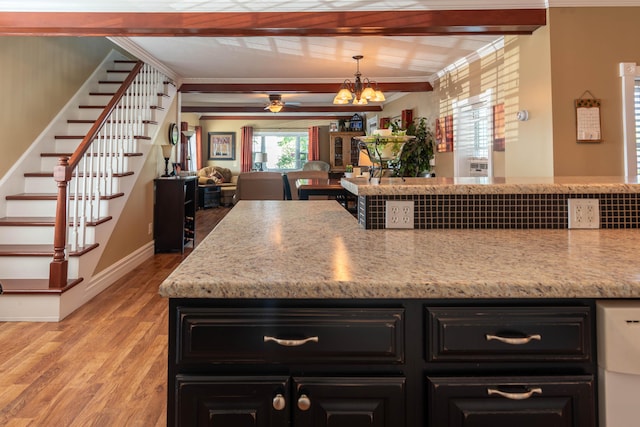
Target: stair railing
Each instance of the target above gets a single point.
(86, 178)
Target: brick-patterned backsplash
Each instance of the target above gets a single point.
(501, 211)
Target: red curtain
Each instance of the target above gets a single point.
(246, 149)
(314, 143)
(199, 162)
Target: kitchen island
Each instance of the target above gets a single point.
(292, 311)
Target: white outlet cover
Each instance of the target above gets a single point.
(399, 214)
(584, 213)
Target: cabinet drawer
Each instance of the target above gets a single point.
(509, 334)
(279, 335)
(512, 401)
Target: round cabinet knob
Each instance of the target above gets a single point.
(304, 403)
(279, 403)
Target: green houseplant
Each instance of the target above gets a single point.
(417, 153)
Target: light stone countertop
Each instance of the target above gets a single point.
(480, 185)
(315, 249)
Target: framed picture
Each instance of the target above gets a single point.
(333, 127)
(222, 145)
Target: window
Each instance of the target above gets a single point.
(285, 150)
(630, 74)
(473, 126)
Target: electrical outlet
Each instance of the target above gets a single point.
(584, 213)
(398, 214)
(150, 230)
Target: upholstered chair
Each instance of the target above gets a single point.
(259, 186)
(316, 165)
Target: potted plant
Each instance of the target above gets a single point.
(415, 159)
(348, 173)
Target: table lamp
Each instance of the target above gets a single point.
(166, 153)
(261, 158)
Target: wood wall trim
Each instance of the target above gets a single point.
(315, 109)
(242, 24)
(275, 117)
(295, 87)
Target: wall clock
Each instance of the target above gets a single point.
(174, 133)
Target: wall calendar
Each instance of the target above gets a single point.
(588, 122)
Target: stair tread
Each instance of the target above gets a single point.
(53, 196)
(50, 174)
(69, 154)
(26, 221)
(82, 137)
(34, 286)
(89, 121)
(40, 250)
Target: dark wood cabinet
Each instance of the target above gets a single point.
(382, 363)
(174, 213)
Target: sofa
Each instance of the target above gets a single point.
(222, 177)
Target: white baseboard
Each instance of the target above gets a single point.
(116, 271)
(54, 308)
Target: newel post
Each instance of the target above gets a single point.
(59, 265)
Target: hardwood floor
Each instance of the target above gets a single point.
(105, 364)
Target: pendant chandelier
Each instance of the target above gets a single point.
(360, 90)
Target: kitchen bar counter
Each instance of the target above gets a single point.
(302, 249)
(480, 185)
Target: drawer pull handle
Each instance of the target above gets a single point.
(290, 343)
(515, 396)
(304, 403)
(514, 341)
(279, 402)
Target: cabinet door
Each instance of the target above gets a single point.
(513, 401)
(231, 401)
(349, 402)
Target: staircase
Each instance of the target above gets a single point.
(63, 198)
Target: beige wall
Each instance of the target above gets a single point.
(587, 44)
(38, 76)
(527, 86)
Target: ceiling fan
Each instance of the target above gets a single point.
(275, 103)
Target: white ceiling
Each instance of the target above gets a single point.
(304, 60)
(291, 59)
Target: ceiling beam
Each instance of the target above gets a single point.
(295, 87)
(244, 24)
(274, 117)
(316, 109)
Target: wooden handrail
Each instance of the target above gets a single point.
(102, 119)
(62, 174)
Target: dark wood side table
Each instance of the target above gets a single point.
(208, 196)
(174, 213)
